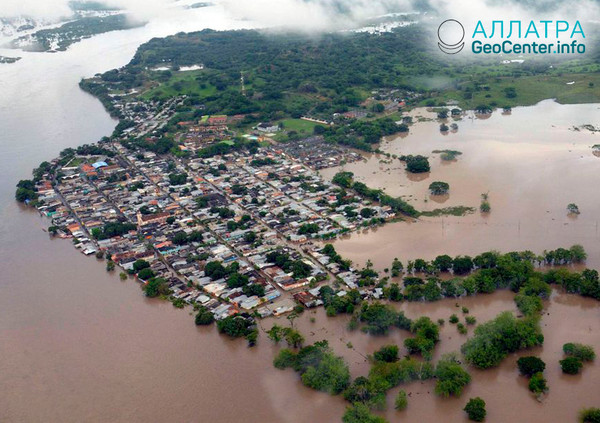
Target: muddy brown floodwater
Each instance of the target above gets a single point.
(567, 318)
(79, 345)
(531, 163)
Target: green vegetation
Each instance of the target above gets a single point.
(335, 305)
(362, 134)
(330, 252)
(298, 268)
(530, 365)
(345, 180)
(75, 31)
(401, 401)
(177, 178)
(585, 283)
(139, 265)
(26, 191)
(360, 413)
(370, 391)
(416, 164)
(365, 391)
(538, 384)
(387, 353)
(156, 287)
(589, 415)
(235, 326)
(146, 274)
(426, 336)
(204, 317)
(571, 365)
(385, 375)
(439, 188)
(378, 318)
(485, 206)
(292, 337)
(451, 377)
(449, 211)
(318, 367)
(447, 155)
(495, 339)
(583, 352)
(475, 409)
(573, 208)
(325, 77)
(112, 229)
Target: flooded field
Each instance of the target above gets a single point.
(531, 163)
(567, 318)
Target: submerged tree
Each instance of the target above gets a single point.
(573, 208)
(439, 188)
(475, 409)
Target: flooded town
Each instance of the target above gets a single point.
(210, 214)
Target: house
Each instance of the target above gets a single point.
(148, 219)
(267, 127)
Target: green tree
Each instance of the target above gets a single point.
(146, 274)
(493, 340)
(530, 365)
(360, 413)
(234, 326)
(571, 365)
(582, 352)
(140, 264)
(387, 353)
(204, 317)
(439, 188)
(573, 208)
(443, 263)
(293, 338)
(155, 287)
(578, 253)
(462, 265)
(416, 164)
(538, 384)
(589, 415)
(401, 401)
(475, 409)
(378, 318)
(451, 377)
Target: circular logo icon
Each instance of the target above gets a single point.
(451, 34)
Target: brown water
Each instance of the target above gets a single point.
(77, 344)
(531, 164)
(567, 318)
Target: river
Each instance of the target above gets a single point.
(78, 344)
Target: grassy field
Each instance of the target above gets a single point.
(180, 83)
(303, 127)
(566, 89)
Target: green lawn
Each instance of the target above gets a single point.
(181, 83)
(303, 127)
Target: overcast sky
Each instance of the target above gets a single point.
(334, 14)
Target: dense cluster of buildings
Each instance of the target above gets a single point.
(236, 232)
